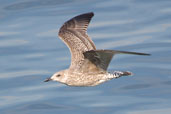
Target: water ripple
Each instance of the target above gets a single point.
(22, 73)
(11, 43)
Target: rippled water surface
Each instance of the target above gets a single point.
(31, 51)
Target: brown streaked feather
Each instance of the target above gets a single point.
(74, 35)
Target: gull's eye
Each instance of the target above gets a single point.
(58, 75)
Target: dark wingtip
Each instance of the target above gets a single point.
(134, 53)
(146, 54)
(86, 15)
(91, 13)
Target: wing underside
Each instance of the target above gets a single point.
(74, 35)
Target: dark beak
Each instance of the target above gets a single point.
(48, 79)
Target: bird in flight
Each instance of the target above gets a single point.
(88, 65)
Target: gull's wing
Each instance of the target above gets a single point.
(74, 35)
(102, 58)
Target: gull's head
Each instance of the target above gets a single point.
(60, 76)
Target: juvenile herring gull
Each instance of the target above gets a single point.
(88, 65)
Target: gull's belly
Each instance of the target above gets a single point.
(86, 80)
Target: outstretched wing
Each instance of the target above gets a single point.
(102, 58)
(74, 35)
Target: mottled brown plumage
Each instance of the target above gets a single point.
(88, 65)
(74, 35)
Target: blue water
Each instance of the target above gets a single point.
(30, 51)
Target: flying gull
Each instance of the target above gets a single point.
(88, 65)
